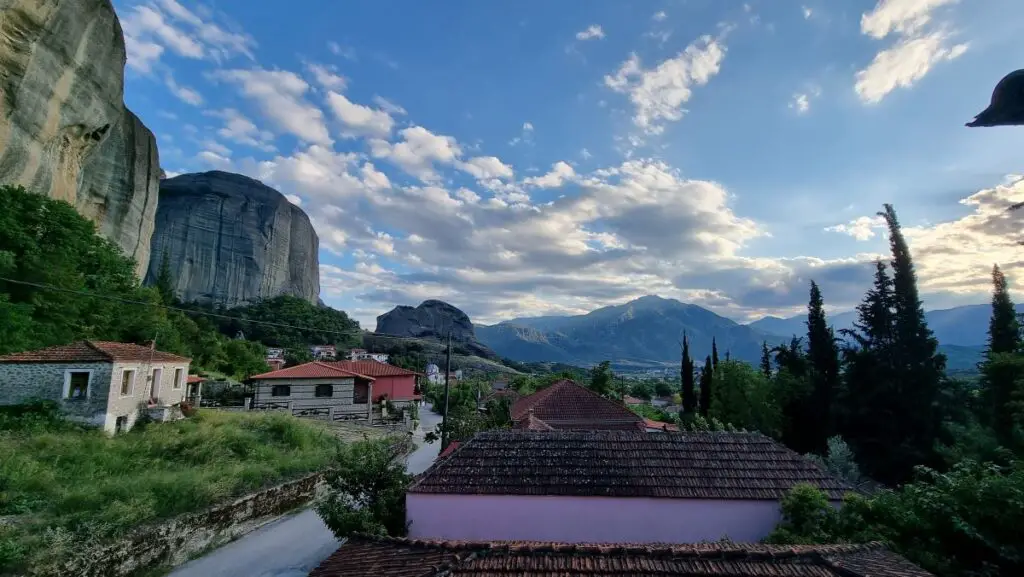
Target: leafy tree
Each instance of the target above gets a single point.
(642, 390)
(744, 398)
(839, 460)
(1003, 327)
(366, 490)
(1002, 371)
(244, 358)
(293, 357)
(664, 388)
(707, 376)
(602, 379)
(823, 355)
(766, 360)
(689, 393)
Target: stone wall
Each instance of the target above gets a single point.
(25, 381)
(177, 540)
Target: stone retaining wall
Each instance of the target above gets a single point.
(175, 541)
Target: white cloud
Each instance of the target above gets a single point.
(801, 101)
(560, 173)
(360, 120)
(345, 52)
(919, 44)
(486, 167)
(280, 96)
(388, 106)
(327, 76)
(659, 16)
(659, 93)
(183, 93)
(238, 128)
(862, 228)
(585, 154)
(527, 127)
(214, 160)
(807, 12)
(903, 65)
(154, 26)
(418, 152)
(592, 31)
(216, 147)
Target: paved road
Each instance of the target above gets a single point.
(294, 545)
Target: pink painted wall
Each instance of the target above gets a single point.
(587, 519)
(397, 388)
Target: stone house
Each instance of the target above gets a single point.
(317, 389)
(106, 384)
(610, 487)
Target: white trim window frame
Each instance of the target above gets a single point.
(131, 386)
(67, 383)
(179, 378)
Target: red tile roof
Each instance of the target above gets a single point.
(366, 556)
(532, 423)
(567, 405)
(719, 465)
(193, 379)
(93, 352)
(313, 370)
(659, 425)
(373, 368)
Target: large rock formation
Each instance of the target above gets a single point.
(64, 129)
(232, 240)
(432, 319)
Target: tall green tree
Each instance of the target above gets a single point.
(793, 394)
(1003, 327)
(689, 393)
(1002, 371)
(766, 360)
(743, 397)
(165, 280)
(602, 379)
(823, 354)
(707, 377)
(714, 354)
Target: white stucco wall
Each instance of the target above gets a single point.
(588, 519)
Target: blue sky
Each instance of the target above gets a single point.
(515, 160)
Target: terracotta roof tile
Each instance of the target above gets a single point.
(567, 405)
(313, 370)
(650, 424)
(95, 352)
(532, 423)
(365, 556)
(717, 465)
(449, 449)
(373, 368)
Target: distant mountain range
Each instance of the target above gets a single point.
(645, 333)
(642, 333)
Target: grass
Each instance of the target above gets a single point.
(61, 484)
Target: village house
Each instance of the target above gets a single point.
(371, 556)
(105, 384)
(567, 405)
(610, 487)
(316, 389)
(398, 385)
(364, 355)
(323, 352)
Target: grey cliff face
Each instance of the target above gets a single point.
(433, 319)
(64, 129)
(232, 240)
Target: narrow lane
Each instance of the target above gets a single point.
(292, 546)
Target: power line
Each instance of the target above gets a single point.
(194, 311)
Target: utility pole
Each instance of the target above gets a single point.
(447, 374)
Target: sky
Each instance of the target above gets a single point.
(528, 158)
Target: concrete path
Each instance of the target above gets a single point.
(294, 545)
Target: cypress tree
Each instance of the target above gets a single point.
(1002, 367)
(689, 394)
(1003, 327)
(823, 354)
(706, 383)
(714, 354)
(766, 360)
(164, 280)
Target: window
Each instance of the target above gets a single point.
(127, 382)
(158, 375)
(325, 390)
(361, 394)
(76, 384)
(281, 391)
(179, 376)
